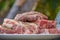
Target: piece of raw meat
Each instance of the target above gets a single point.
(6, 31)
(29, 28)
(46, 24)
(49, 31)
(30, 16)
(41, 31)
(54, 31)
(20, 27)
(1, 32)
(13, 25)
(40, 27)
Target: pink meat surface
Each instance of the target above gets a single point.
(46, 24)
(29, 23)
(13, 25)
(6, 31)
(30, 16)
(54, 31)
(18, 27)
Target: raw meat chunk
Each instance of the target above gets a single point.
(54, 31)
(30, 16)
(12, 24)
(46, 24)
(6, 31)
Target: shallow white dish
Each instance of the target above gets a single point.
(28, 36)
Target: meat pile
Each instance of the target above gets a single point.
(29, 23)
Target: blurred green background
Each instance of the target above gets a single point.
(47, 7)
(5, 5)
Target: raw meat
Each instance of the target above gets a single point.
(29, 23)
(12, 24)
(30, 16)
(29, 28)
(20, 27)
(6, 31)
(54, 31)
(39, 27)
(46, 24)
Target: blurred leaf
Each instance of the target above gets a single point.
(11, 2)
(48, 7)
(5, 5)
(2, 4)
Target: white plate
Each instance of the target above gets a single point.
(28, 36)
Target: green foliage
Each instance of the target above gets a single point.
(48, 7)
(2, 4)
(5, 5)
(12, 2)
